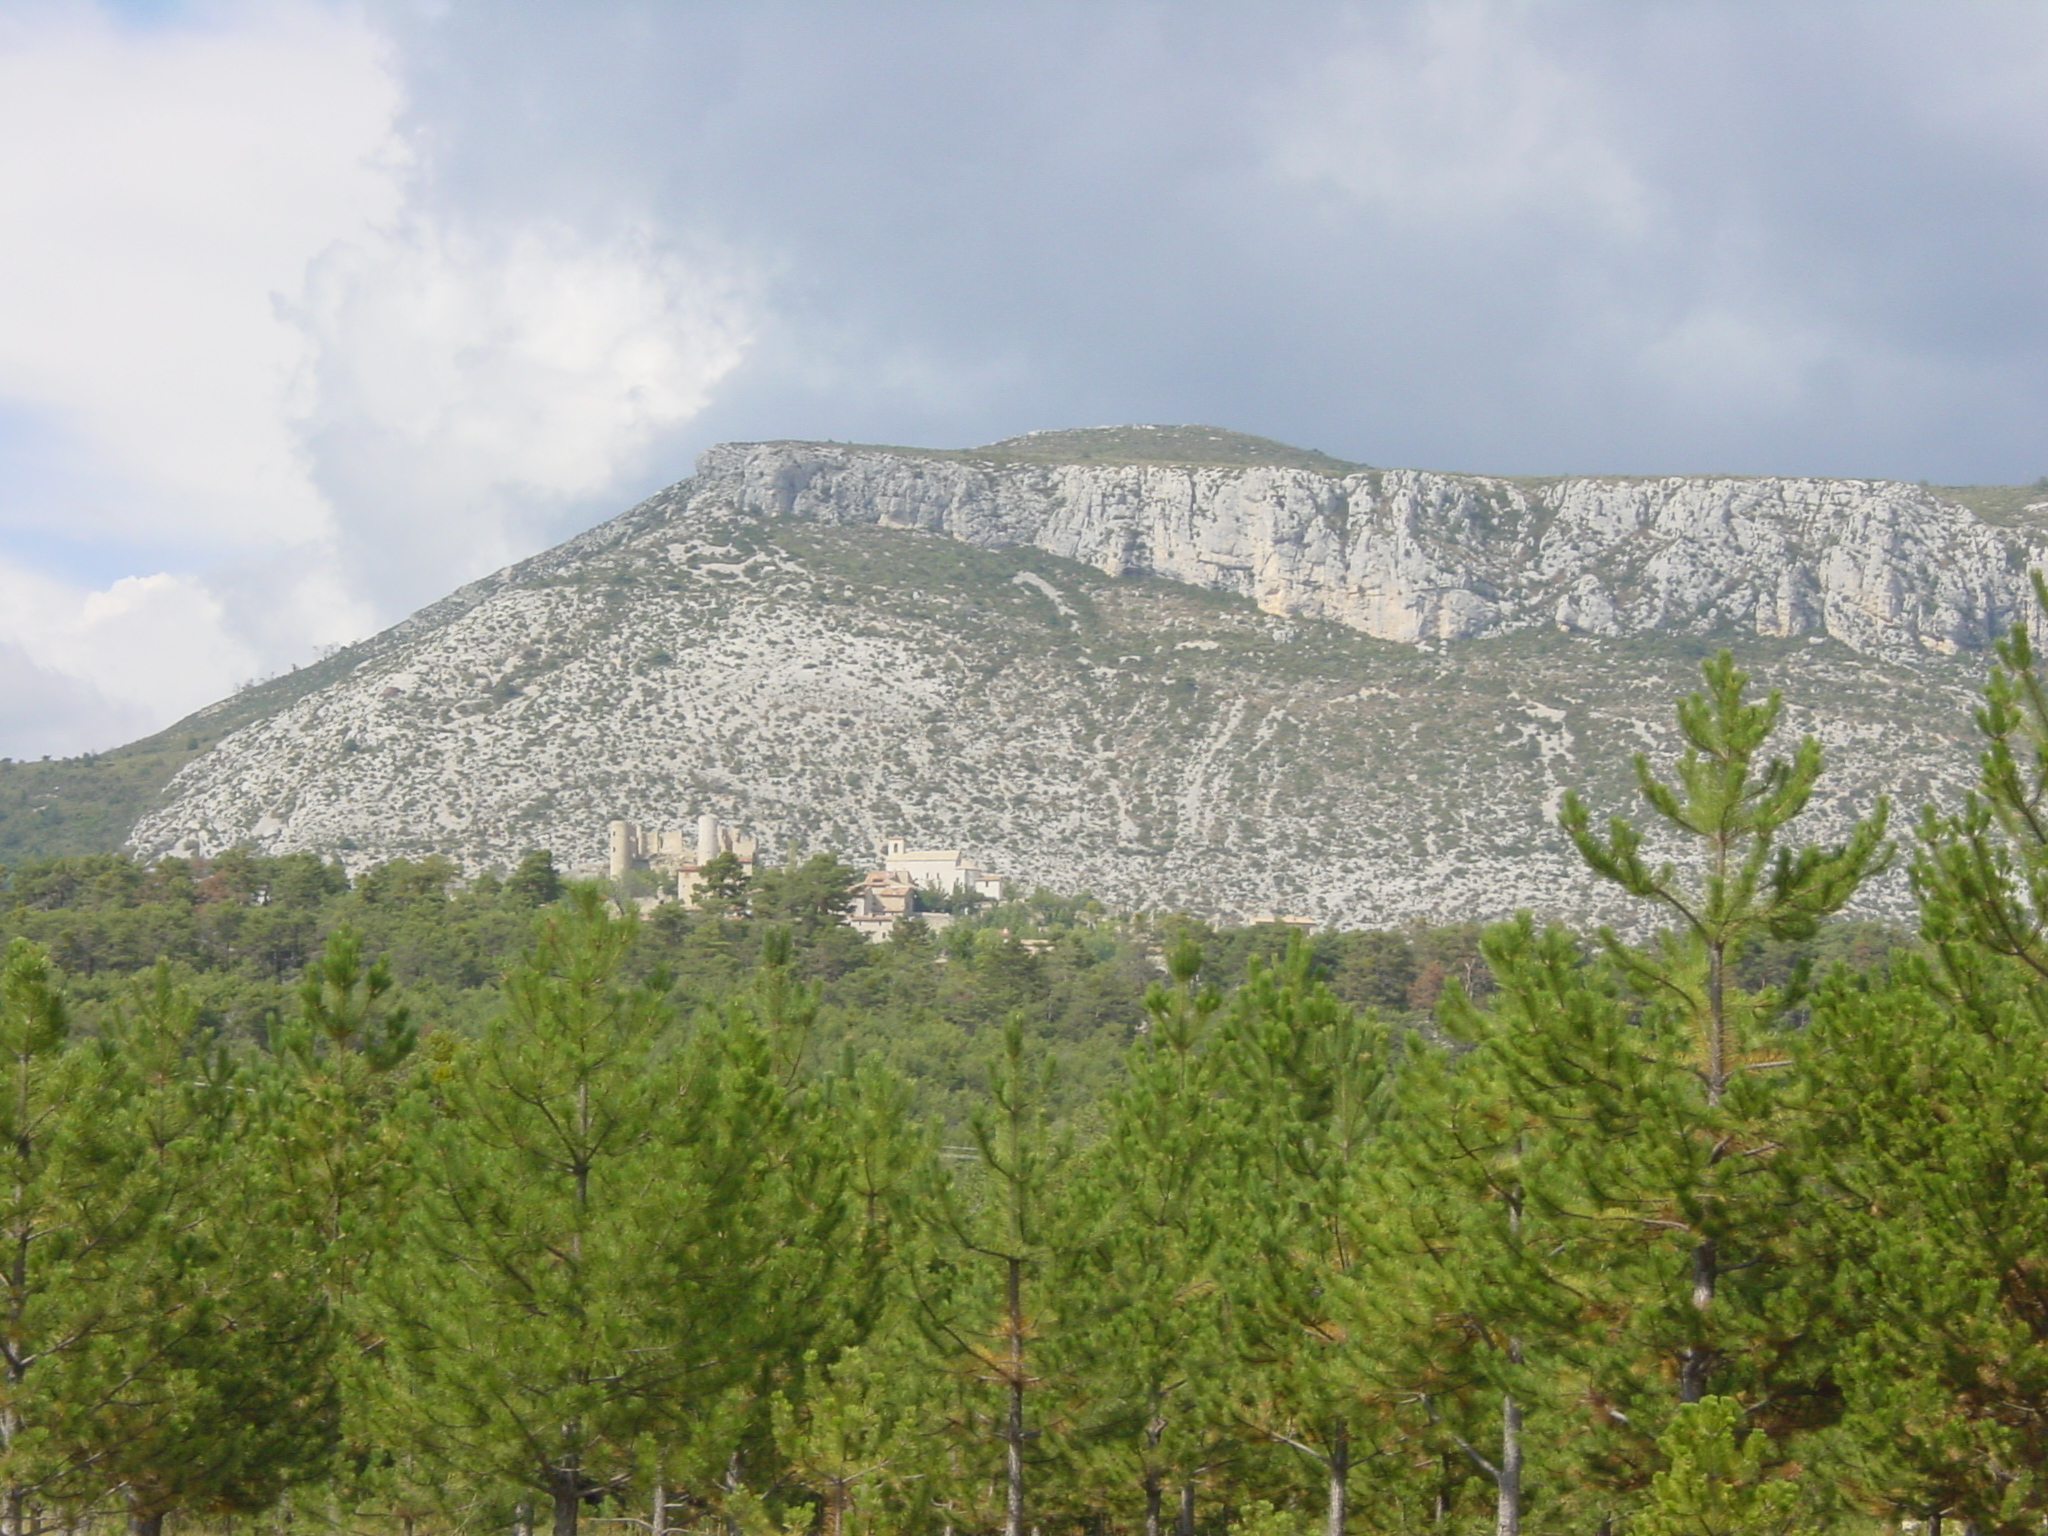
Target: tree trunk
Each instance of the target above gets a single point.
(1013, 1421)
(835, 1507)
(1186, 1524)
(1013, 1462)
(1717, 1024)
(657, 1521)
(1339, 1466)
(1697, 1359)
(145, 1522)
(522, 1519)
(1154, 1485)
(1934, 1522)
(1692, 1374)
(1507, 1516)
(732, 1486)
(567, 1489)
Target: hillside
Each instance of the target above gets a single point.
(1243, 679)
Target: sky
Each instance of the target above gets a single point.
(311, 311)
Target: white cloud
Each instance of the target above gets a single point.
(245, 325)
(163, 186)
(1736, 358)
(465, 386)
(50, 714)
(1452, 114)
(139, 652)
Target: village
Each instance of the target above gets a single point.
(884, 897)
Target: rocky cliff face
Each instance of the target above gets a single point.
(1888, 569)
(1351, 694)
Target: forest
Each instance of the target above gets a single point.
(402, 1206)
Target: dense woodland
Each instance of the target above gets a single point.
(396, 1207)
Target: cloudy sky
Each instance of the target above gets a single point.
(310, 311)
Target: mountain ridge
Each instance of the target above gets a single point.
(1156, 680)
(1422, 555)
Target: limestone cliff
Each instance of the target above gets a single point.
(1410, 555)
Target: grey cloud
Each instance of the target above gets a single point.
(47, 713)
(982, 219)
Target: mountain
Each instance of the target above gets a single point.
(1175, 666)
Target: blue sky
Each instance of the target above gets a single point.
(310, 311)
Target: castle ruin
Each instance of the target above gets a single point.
(674, 852)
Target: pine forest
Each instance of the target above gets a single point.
(405, 1206)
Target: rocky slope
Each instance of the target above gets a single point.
(1888, 569)
(1268, 681)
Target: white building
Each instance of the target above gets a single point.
(939, 869)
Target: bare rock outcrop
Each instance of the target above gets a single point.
(1413, 555)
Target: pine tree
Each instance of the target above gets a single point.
(214, 1393)
(1467, 1289)
(1308, 1089)
(1924, 1162)
(620, 1236)
(1701, 1132)
(71, 1219)
(723, 885)
(1982, 873)
(329, 1106)
(1714, 1482)
(162, 1334)
(1000, 1231)
(1925, 1151)
(819, 1171)
(850, 1423)
(530, 1338)
(1145, 1338)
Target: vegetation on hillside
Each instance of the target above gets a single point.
(2007, 506)
(1169, 445)
(87, 804)
(1156, 743)
(237, 933)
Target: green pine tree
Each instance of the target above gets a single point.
(620, 1235)
(1705, 1129)
(1714, 1482)
(1000, 1230)
(1308, 1088)
(1478, 1315)
(1144, 1342)
(1925, 1152)
(215, 1392)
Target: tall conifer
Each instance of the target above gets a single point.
(1307, 1091)
(1001, 1229)
(1146, 1335)
(614, 1234)
(1926, 1151)
(1744, 882)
